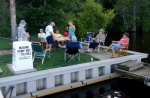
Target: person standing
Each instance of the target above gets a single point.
(49, 35)
(22, 35)
(71, 29)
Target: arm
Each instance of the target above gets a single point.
(80, 46)
(115, 41)
(61, 46)
(74, 28)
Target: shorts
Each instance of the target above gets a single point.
(115, 46)
(50, 40)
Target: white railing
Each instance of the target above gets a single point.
(64, 78)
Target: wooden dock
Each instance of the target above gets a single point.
(141, 73)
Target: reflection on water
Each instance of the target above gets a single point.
(116, 88)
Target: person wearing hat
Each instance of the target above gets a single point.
(22, 35)
(99, 39)
(49, 35)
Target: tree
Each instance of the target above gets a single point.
(135, 13)
(13, 19)
(93, 17)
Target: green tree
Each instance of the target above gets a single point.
(93, 17)
(135, 13)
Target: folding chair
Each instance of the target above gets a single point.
(122, 50)
(72, 51)
(88, 38)
(101, 45)
(38, 51)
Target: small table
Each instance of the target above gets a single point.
(63, 39)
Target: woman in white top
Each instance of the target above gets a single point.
(42, 36)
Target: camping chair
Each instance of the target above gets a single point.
(122, 50)
(72, 51)
(88, 38)
(38, 51)
(101, 45)
(43, 44)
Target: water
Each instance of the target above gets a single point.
(120, 87)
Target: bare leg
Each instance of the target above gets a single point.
(113, 52)
(91, 50)
(50, 46)
(108, 47)
(47, 46)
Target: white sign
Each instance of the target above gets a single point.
(22, 56)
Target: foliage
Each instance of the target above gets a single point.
(92, 18)
(5, 19)
(128, 8)
(86, 16)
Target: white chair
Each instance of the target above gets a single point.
(88, 38)
(101, 46)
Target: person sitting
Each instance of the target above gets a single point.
(57, 36)
(99, 39)
(66, 33)
(42, 36)
(119, 44)
(73, 40)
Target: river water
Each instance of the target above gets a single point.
(117, 88)
(120, 87)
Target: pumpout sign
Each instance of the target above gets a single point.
(22, 56)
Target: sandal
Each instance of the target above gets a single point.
(112, 57)
(87, 52)
(104, 51)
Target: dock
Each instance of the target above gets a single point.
(46, 82)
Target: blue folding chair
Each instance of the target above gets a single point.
(38, 52)
(88, 38)
(72, 51)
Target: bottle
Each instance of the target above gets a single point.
(91, 59)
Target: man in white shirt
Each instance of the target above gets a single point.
(49, 35)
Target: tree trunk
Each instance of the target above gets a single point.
(45, 2)
(13, 19)
(134, 17)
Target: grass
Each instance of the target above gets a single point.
(5, 44)
(56, 60)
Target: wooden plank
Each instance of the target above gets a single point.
(130, 65)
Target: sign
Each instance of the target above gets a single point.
(22, 56)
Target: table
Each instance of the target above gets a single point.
(63, 39)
